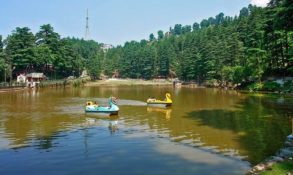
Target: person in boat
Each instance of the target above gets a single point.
(96, 103)
(151, 98)
(115, 100)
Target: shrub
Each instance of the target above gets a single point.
(288, 86)
(255, 87)
(76, 83)
(271, 86)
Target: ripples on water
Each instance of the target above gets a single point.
(205, 131)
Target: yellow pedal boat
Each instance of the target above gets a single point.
(164, 103)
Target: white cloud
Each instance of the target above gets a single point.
(262, 3)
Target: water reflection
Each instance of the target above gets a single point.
(93, 119)
(166, 111)
(254, 124)
(223, 122)
(20, 130)
(113, 126)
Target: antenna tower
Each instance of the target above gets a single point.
(87, 29)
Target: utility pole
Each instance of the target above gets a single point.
(87, 29)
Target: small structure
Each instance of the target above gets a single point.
(21, 78)
(115, 74)
(34, 79)
(106, 47)
(84, 74)
(167, 34)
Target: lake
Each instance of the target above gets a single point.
(206, 131)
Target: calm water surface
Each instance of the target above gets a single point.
(206, 131)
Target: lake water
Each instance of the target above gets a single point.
(206, 131)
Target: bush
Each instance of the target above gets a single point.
(271, 86)
(255, 87)
(288, 86)
(212, 83)
(76, 83)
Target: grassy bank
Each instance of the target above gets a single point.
(285, 167)
(128, 82)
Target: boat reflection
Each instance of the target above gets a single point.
(102, 120)
(113, 126)
(166, 111)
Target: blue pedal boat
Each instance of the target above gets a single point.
(111, 109)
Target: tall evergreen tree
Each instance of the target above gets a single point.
(160, 34)
(20, 49)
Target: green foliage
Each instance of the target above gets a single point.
(160, 34)
(271, 86)
(2, 60)
(255, 87)
(177, 29)
(238, 74)
(288, 86)
(244, 12)
(77, 83)
(1, 44)
(227, 73)
(152, 37)
(20, 48)
(46, 52)
(280, 168)
(186, 29)
(204, 23)
(195, 26)
(93, 66)
(242, 49)
(222, 48)
(163, 59)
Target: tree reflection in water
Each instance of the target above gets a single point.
(261, 129)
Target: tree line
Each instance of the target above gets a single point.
(246, 48)
(25, 52)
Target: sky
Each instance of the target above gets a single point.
(112, 21)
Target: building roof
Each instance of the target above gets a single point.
(36, 75)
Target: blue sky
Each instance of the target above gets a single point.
(111, 21)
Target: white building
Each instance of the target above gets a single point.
(21, 78)
(106, 47)
(34, 79)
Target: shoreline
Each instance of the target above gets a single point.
(166, 82)
(11, 89)
(128, 82)
(284, 155)
(134, 82)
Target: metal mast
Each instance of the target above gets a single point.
(87, 29)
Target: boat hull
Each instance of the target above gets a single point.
(102, 112)
(159, 104)
(112, 110)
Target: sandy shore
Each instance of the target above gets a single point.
(129, 82)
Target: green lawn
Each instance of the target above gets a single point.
(280, 168)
